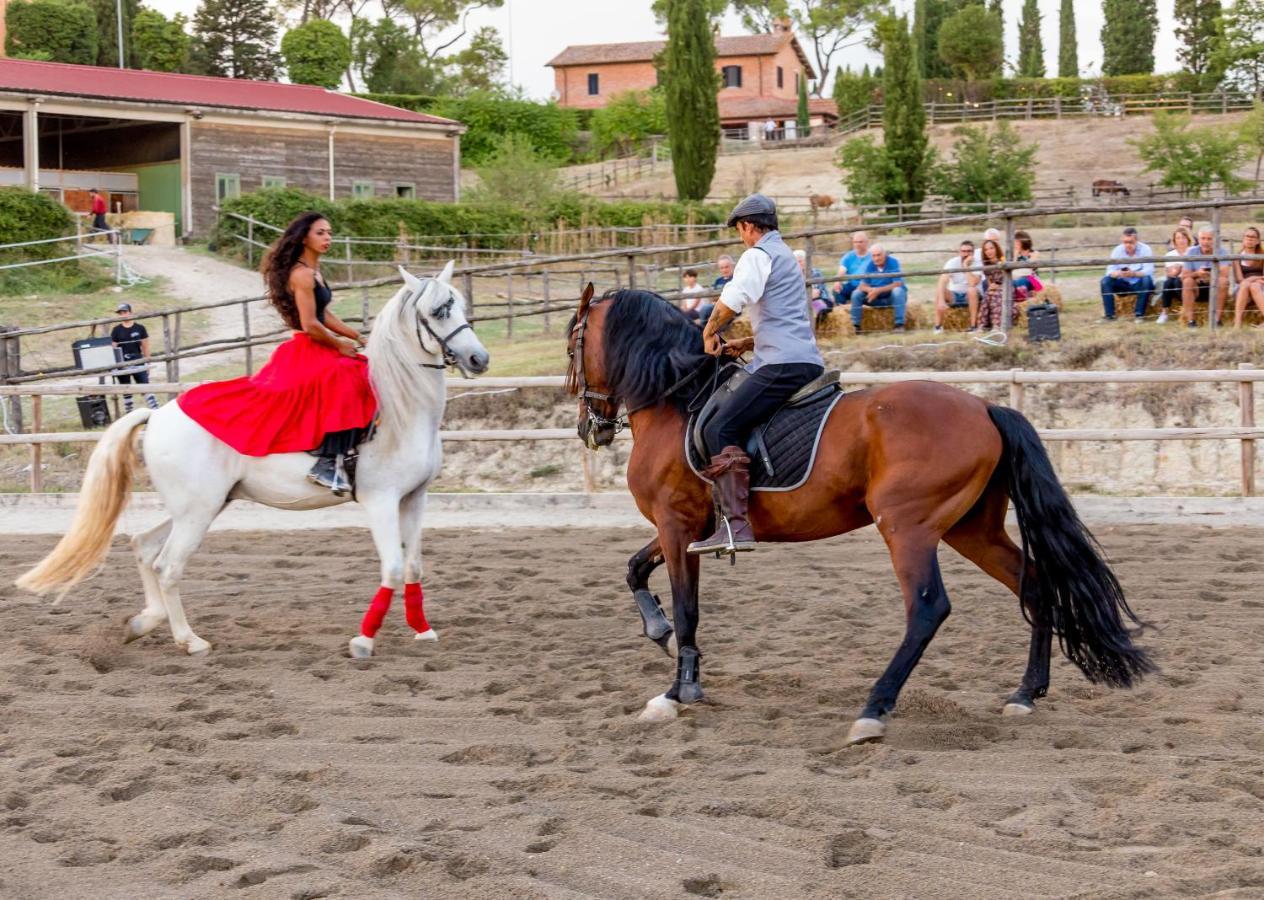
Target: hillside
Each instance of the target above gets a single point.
(1072, 152)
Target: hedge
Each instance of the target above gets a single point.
(495, 225)
(947, 90)
(28, 216)
(550, 128)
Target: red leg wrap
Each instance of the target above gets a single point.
(377, 611)
(413, 608)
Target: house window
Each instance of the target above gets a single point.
(781, 77)
(274, 181)
(732, 76)
(405, 192)
(594, 84)
(227, 186)
(362, 190)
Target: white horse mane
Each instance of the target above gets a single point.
(401, 384)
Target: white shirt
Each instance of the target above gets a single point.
(958, 280)
(1173, 269)
(750, 276)
(1142, 269)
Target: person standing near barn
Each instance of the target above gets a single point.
(99, 209)
(132, 341)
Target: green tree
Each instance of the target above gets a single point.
(903, 116)
(1128, 33)
(970, 44)
(1196, 22)
(928, 16)
(516, 174)
(1253, 135)
(107, 31)
(316, 52)
(853, 92)
(827, 27)
(235, 38)
(987, 164)
(158, 43)
(388, 61)
(51, 30)
(1193, 159)
(481, 65)
(1068, 48)
(869, 175)
(626, 123)
(802, 119)
(715, 9)
(1238, 52)
(1031, 48)
(689, 88)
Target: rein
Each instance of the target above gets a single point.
(450, 359)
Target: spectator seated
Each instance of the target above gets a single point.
(958, 317)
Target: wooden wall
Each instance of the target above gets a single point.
(302, 158)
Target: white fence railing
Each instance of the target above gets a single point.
(1017, 380)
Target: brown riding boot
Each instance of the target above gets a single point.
(730, 470)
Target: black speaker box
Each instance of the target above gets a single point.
(1042, 322)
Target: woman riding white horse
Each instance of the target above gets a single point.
(421, 330)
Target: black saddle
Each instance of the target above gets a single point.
(783, 449)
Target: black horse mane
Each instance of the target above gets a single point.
(650, 348)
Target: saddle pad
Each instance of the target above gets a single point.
(791, 439)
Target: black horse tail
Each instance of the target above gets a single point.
(1075, 589)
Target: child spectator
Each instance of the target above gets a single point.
(1179, 242)
(132, 341)
(690, 293)
(1249, 274)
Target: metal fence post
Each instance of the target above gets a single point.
(1246, 418)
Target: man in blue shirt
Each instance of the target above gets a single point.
(723, 265)
(1196, 277)
(1127, 277)
(850, 264)
(883, 285)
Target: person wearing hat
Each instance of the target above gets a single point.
(132, 341)
(768, 284)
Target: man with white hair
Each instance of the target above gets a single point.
(850, 264)
(882, 285)
(1196, 277)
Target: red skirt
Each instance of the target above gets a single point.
(306, 390)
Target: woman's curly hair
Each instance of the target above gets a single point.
(280, 260)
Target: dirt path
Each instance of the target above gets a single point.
(196, 278)
(506, 761)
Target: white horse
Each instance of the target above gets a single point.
(420, 331)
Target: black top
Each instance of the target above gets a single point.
(324, 296)
(128, 338)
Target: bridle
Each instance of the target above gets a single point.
(585, 393)
(450, 358)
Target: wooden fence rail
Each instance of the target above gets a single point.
(1245, 376)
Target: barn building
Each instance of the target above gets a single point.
(180, 144)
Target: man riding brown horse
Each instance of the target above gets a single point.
(768, 285)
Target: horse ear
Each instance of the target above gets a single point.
(584, 300)
(445, 277)
(411, 281)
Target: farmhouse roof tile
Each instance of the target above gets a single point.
(644, 51)
(99, 82)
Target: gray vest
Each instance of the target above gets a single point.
(779, 321)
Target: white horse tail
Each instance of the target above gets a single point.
(105, 491)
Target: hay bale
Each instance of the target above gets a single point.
(882, 318)
(1050, 294)
(957, 318)
(835, 323)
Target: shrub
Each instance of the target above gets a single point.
(316, 52)
(1193, 159)
(516, 173)
(625, 123)
(54, 31)
(987, 164)
(870, 176)
(27, 216)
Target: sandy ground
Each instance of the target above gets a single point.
(505, 760)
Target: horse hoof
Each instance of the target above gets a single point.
(865, 730)
(660, 709)
(1017, 709)
(428, 635)
(198, 647)
(361, 647)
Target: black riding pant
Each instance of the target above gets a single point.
(754, 402)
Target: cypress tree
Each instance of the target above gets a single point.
(802, 120)
(1068, 52)
(1031, 49)
(690, 90)
(920, 40)
(903, 116)
(1196, 22)
(1128, 37)
(994, 7)
(107, 31)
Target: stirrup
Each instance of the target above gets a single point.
(329, 473)
(732, 547)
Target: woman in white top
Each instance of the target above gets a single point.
(1171, 291)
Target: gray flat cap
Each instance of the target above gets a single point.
(754, 205)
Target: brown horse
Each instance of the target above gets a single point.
(873, 466)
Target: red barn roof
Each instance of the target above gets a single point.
(100, 82)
